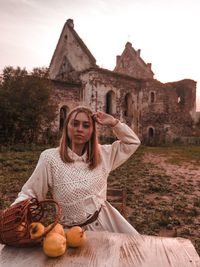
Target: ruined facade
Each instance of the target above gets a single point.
(157, 112)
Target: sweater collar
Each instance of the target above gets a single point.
(76, 157)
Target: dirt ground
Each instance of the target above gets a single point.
(188, 170)
(189, 173)
(163, 194)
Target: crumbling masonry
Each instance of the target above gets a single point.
(157, 112)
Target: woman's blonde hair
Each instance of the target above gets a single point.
(92, 146)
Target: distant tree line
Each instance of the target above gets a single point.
(26, 106)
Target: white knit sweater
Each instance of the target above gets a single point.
(79, 190)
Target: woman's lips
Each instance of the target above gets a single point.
(79, 136)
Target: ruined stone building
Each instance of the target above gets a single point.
(158, 112)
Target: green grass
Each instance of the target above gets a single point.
(15, 168)
(155, 199)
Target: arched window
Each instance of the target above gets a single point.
(128, 110)
(110, 103)
(151, 132)
(152, 97)
(63, 114)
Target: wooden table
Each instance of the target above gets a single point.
(105, 249)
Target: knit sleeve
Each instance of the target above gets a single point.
(39, 182)
(119, 151)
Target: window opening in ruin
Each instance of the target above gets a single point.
(63, 115)
(152, 97)
(151, 132)
(110, 102)
(181, 101)
(128, 109)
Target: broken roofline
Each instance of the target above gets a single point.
(114, 73)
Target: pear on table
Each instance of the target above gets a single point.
(76, 237)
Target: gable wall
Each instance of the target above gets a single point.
(68, 47)
(130, 63)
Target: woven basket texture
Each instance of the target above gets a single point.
(16, 219)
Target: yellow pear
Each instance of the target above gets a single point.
(76, 236)
(21, 230)
(58, 228)
(54, 245)
(36, 229)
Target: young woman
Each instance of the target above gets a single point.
(76, 172)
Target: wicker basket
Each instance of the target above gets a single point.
(15, 221)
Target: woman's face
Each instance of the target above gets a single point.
(79, 128)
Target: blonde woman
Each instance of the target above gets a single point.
(76, 172)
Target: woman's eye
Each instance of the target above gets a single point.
(75, 123)
(86, 126)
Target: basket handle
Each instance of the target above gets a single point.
(59, 211)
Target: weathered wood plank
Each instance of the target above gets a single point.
(105, 249)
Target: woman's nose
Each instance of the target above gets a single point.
(80, 127)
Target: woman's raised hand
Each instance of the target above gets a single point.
(104, 118)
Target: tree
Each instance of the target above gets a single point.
(26, 106)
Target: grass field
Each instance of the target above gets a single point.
(162, 183)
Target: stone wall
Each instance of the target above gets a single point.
(65, 95)
(159, 112)
(99, 82)
(170, 114)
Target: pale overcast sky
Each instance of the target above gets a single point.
(166, 31)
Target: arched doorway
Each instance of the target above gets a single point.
(151, 135)
(128, 109)
(63, 114)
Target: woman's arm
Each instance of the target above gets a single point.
(39, 182)
(120, 150)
